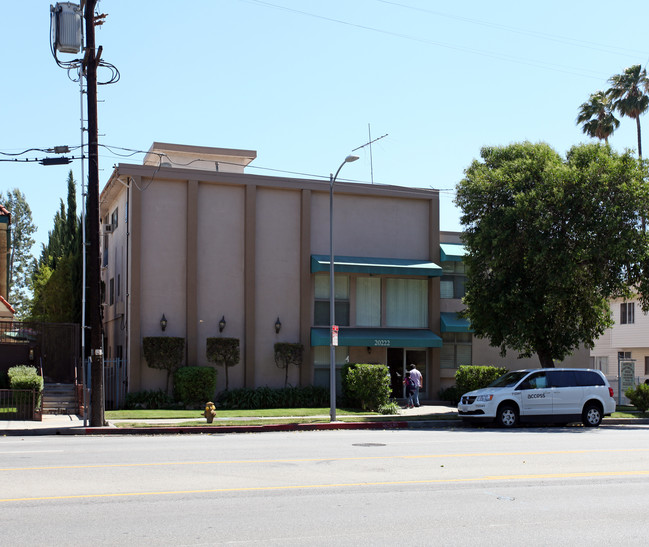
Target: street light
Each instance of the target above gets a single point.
(332, 302)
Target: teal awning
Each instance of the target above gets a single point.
(451, 322)
(361, 264)
(397, 338)
(452, 252)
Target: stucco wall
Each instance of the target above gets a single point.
(277, 280)
(220, 263)
(163, 254)
(371, 226)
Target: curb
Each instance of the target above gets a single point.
(222, 430)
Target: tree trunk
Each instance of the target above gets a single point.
(637, 123)
(545, 358)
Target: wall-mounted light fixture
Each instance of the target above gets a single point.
(369, 349)
(163, 322)
(278, 325)
(222, 324)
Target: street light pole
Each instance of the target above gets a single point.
(332, 299)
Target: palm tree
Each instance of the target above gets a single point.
(629, 94)
(597, 117)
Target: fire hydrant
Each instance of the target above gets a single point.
(210, 412)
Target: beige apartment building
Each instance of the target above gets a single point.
(189, 235)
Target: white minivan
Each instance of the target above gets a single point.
(557, 395)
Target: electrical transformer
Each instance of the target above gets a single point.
(67, 27)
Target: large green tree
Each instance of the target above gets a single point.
(57, 278)
(549, 241)
(629, 93)
(596, 116)
(21, 260)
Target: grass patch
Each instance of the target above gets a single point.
(194, 418)
(158, 414)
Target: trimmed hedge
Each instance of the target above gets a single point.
(266, 397)
(471, 377)
(25, 377)
(194, 386)
(366, 386)
(164, 353)
(223, 351)
(151, 399)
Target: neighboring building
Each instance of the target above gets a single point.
(7, 311)
(191, 236)
(626, 340)
(460, 346)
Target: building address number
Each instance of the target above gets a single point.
(382, 343)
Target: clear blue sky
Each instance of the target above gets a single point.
(300, 81)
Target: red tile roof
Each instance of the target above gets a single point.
(9, 306)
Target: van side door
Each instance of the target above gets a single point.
(567, 394)
(536, 395)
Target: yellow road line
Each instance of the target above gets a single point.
(306, 460)
(340, 485)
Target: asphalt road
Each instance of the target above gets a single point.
(457, 486)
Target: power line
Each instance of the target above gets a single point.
(575, 71)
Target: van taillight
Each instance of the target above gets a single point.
(610, 392)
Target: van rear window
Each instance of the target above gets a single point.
(589, 378)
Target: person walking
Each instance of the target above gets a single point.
(409, 382)
(418, 380)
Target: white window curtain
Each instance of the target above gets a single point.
(368, 302)
(407, 303)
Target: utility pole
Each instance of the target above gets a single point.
(90, 62)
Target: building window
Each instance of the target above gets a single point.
(114, 218)
(627, 313)
(453, 280)
(456, 349)
(406, 303)
(646, 366)
(119, 284)
(111, 291)
(599, 363)
(368, 302)
(322, 365)
(341, 296)
(621, 355)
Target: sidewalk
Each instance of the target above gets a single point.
(68, 424)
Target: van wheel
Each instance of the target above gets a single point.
(592, 415)
(507, 416)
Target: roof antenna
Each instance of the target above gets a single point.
(369, 132)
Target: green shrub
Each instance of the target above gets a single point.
(366, 386)
(391, 407)
(153, 399)
(164, 352)
(25, 377)
(451, 394)
(471, 377)
(639, 396)
(266, 397)
(194, 386)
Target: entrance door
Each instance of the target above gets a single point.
(397, 368)
(398, 361)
